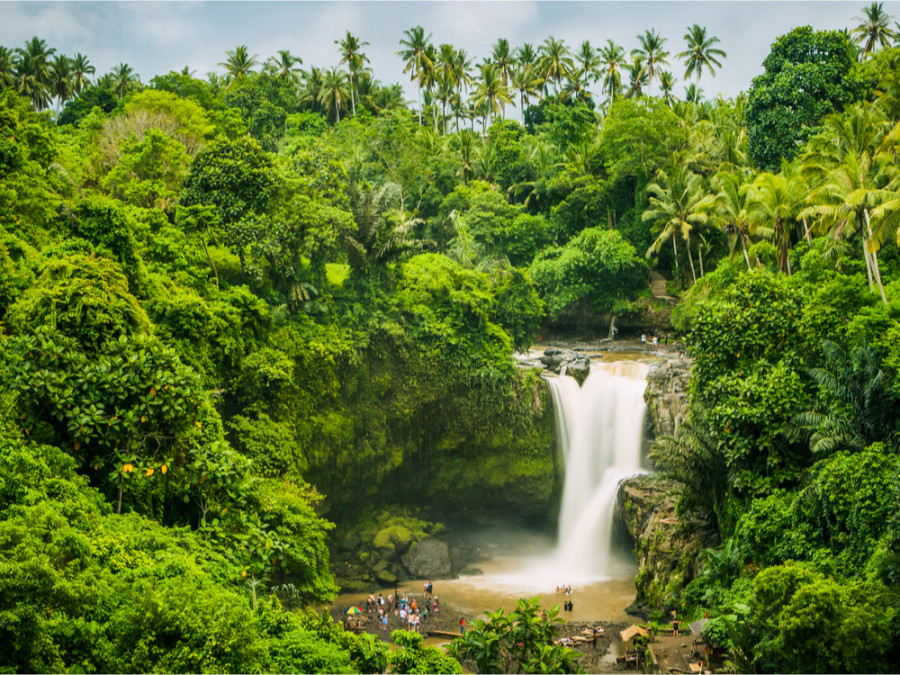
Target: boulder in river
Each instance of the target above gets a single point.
(428, 558)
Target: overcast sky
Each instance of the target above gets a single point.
(156, 37)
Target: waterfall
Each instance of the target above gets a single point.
(600, 428)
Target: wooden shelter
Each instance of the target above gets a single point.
(630, 632)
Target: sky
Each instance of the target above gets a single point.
(156, 37)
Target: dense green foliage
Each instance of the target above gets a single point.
(521, 642)
(233, 307)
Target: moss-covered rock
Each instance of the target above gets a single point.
(666, 542)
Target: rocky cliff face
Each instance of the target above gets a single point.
(666, 395)
(666, 542)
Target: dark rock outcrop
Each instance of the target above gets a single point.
(666, 395)
(667, 543)
(428, 558)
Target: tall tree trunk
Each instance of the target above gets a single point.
(687, 243)
(677, 267)
(744, 249)
(875, 267)
(209, 257)
(352, 99)
(700, 255)
(419, 101)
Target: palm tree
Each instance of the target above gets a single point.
(383, 232)
(526, 56)
(731, 208)
(526, 81)
(334, 92)
(555, 62)
(859, 410)
(414, 54)
(775, 203)
(313, 83)
(638, 77)
(352, 55)
(7, 64)
(81, 68)
(693, 93)
(675, 205)
(31, 78)
(124, 79)
(502, 58)
(285, 65)
(588, 60)
(428, 78)
(61, 79)
(845, 157)
(873, 29)
(613, 58)
(700, 53)
(239, 64)
(491, 92)
(666, 84)
(651, 52)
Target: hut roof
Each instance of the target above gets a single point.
(631, 631)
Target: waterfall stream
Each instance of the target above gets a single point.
(600, 430)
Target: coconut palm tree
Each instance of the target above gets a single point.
(124, 79)
(666, 84)
(335, 92)
(313, 83)
(873, 29)
(588, 60)
(526, 55)
(352, 55)
(239, 64)
(637, 78)
(490, 92)
(693, 93)
(527, 82)
(81, 68)
(700, 53)
(7, 76)
(652, 53)
(31, 78)
(730, 208)
(613, 58)
(285, 65)
(555, 63)
(776, 200)
(675, 208)
(844, 156)
(414, 53)
(61, 79)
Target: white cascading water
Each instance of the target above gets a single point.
(600, 429)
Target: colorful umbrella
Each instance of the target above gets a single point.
(354, 610)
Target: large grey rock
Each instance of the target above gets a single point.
(666, 395)
(428, 558)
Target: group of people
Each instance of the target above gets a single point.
(654, 339)
(408, 610)
(567, 604)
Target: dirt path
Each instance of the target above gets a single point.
(658, 287)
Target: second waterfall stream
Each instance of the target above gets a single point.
(600, 431)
